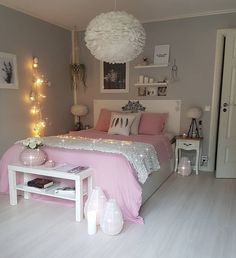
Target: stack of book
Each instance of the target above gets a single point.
(41, 183)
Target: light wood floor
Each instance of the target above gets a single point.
(188, 217)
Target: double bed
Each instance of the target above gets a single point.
(120, 175)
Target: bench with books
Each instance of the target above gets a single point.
(46, 183)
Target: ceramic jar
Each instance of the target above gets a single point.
(33, 157)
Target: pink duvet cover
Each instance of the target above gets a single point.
(112, 172)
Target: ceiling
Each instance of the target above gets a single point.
(77, 13)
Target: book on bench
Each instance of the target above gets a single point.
(40, 183)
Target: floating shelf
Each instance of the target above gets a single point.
(152, 84)
(150, 66)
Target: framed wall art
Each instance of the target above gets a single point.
(8, 71)
(161, 55)
(114, 78)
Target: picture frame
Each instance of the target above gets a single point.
(8, 71)
(142, 91)
(151, 91)
(161, 55)
(162, 91)
(114, 77)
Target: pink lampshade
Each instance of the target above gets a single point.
(194, 112)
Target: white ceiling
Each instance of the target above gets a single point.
(71, 13)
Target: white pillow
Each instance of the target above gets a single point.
(120, 124)
(135, 124)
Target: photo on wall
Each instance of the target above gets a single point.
(8, 71)
(114, 78)
(142, 91)
(151, 91)
(162, 91)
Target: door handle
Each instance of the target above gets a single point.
(225, 104)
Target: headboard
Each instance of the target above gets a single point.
(173, 107)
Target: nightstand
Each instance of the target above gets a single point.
(187, 143)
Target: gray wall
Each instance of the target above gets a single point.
(192, 43)
(26, 37)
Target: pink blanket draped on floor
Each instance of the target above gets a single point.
(112, 172)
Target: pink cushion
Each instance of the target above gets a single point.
(152, 123)
(103, 122)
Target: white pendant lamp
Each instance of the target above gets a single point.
(115, 37)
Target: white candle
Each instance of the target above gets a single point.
(92, 227)
(146, 79)
(140, 79)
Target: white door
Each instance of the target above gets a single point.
(226, 150)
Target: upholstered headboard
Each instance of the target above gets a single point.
(173, 107)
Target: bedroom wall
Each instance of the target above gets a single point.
(192, 43)
(25, 37)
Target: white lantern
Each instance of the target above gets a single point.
(184, 168)
(112, 220)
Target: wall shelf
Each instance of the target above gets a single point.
(150, 66)
(152, 84)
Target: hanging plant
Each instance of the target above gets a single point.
(79, 71)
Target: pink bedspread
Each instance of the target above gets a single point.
(112, 172)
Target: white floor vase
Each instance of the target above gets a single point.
(112, 220)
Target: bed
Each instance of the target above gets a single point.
(113, 172)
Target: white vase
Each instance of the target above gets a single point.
(96, 202)
(33, 157)
(112, 220)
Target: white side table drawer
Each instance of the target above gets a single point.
(187, 145)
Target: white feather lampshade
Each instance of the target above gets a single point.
(115, 37)
(79, 110)
(194, 112)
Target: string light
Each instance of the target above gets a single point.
(36, 97)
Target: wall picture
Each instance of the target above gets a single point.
(8, 71)
(141, 91)
(162, 91)
(151, 91)
(161, 55)
(114, 78)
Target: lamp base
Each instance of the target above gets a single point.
(193, 131)
(78, 126)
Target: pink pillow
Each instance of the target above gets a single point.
(152, 123)
(103, 122)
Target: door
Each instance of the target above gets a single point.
(226, 150)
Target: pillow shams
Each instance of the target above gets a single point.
(120, 123)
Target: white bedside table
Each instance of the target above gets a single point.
(187, 143)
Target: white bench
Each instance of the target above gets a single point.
(77, 197)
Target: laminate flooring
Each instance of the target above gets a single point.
(188, 217)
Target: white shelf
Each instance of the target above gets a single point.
(47, 192)
(150, 66)
(152, 84)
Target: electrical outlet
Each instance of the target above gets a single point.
(204, 161)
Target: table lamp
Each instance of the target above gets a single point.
(194, 113)
(78, 111)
